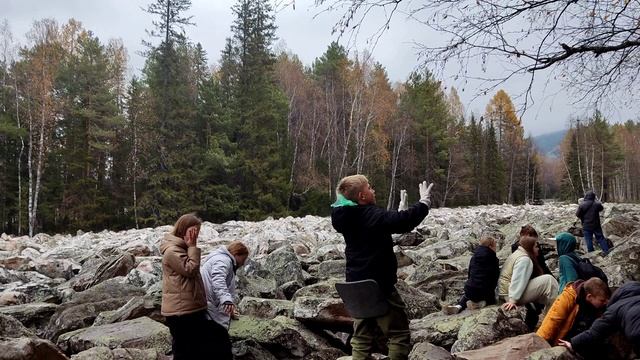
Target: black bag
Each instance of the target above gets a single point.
(586, 270)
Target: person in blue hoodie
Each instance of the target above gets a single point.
(219, 276)
(567, 259)
(367, 231)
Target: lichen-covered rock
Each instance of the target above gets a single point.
(250, 350)
(425, 350)
(284, 266)
(138, 306)
(437, 328)
(29, 348)
(99, 269)
(329, 312)
(10, 327)
(487, 326)
(554, 353)
(104, 353)
(265, 308)
(284, 338)
(33, 315)
(140, 333)
(419, 303)
(331, 269)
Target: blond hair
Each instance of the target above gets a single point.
(184, 222)
(487, 240)
(350, 186)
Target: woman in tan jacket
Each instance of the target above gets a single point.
(183, 298)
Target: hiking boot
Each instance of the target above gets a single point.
(451, 309)
(472, 305)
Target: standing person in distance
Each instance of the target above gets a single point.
(367, 231)
(183, 298)
(219, 274)
(589, 214)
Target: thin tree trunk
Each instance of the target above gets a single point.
(578, 156)
(15, 82)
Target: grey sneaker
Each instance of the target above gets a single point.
(451, 309)
(472, 305)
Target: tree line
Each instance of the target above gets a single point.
(259, 134)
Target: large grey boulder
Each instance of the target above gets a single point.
(518, 347)
(419, 303)
(331, 269)
(54, 268)
(33, 315)
(265, 308)
(138, 306)
(554, 353)
(620, 225)
(104, 353)
(140, 333)
(250, 350)
(328, 312)
(10, 327)
(437, 328)
(29, 348)
(488, 326)
(284, 266)
(425, 350)
(99, 269)
(284, 338)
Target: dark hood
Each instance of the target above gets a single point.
(590, 195)
(565, 243)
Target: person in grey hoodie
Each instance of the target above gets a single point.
(219, 275)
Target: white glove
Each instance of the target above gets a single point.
(425, 193)
(403, 201)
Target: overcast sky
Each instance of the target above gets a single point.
(306, 33)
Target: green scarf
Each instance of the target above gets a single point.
(343, 201)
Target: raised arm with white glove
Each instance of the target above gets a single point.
(404, 205)
(425, 193)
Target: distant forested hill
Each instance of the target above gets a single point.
(548, 144)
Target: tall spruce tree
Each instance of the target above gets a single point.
(258, 114)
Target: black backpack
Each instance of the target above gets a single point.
(586, 270)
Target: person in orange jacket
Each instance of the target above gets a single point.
(577, 307)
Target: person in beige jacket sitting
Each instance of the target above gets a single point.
(522, 280)
(184, 301)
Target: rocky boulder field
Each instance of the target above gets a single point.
(98, 295)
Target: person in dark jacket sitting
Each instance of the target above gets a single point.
(622, 314)
(484, 270)
(367, 231)
(589, 213)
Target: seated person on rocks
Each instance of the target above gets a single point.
(528, 230)
(568, 259)
(522, 280)
(480, 288)
(622, 314)
(533, 309)
(575, 309)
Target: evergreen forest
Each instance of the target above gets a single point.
(251, 133)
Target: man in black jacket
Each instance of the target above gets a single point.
(367, 231)
(589, 213)
(622, 314)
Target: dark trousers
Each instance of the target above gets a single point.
(218, 339)
(190, 335)
(588, 238)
